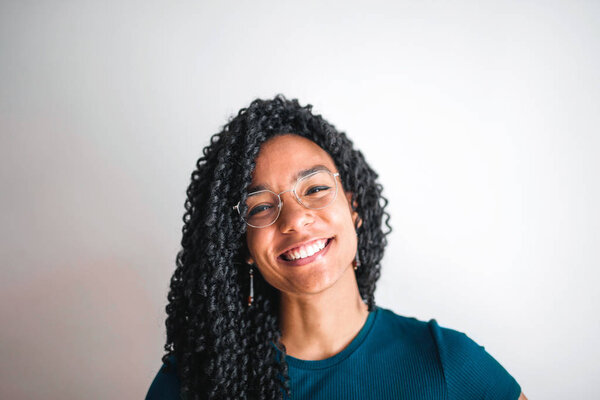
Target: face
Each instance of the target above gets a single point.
(329, 232)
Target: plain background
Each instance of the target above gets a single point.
(482, 119)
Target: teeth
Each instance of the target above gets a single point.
(305, 251)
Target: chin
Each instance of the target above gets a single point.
(316, 281)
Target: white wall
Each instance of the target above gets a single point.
(481, 118)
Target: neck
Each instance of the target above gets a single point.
(318, 326)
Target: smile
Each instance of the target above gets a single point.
(305, 253)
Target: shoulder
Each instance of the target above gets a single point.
(409, 330)
(469, 371)
(166, 383)
(404, 337)
(399, 324)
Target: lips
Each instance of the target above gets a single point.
(306, 252)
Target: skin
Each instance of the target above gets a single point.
(321, 308)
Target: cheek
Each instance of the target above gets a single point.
(343, 217)
(346, 229)
(255, 240)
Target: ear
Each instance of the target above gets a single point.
(353, 206)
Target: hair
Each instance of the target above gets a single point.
(224, 349)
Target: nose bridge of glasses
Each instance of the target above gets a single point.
(295, 196)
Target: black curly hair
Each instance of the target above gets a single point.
(223, 348)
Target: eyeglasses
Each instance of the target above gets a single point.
(315, 191)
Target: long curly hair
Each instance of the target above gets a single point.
(223, 348)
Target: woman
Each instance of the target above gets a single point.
(273, 295)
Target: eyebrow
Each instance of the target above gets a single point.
(300, 174)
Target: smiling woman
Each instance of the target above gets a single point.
(273, 294)
(312, 217)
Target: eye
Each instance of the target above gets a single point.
(258, 209)
(316, 189)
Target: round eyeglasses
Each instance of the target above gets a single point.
(314, 191)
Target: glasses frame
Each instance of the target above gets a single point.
(293, 190)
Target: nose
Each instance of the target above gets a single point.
(293, 216)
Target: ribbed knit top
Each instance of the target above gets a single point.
(392, 357)
(395, 357)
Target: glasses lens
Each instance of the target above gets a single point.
(317, 190)
(262, 208)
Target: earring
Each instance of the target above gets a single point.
(251, 295)
(356, 260)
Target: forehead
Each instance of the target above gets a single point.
(281, 157)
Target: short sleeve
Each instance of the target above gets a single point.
(165, 385)
(470, 372)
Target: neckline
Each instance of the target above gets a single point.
(342, 355)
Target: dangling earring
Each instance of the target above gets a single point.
(356, 260)
(251, 295)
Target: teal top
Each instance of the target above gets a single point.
(392, 357)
